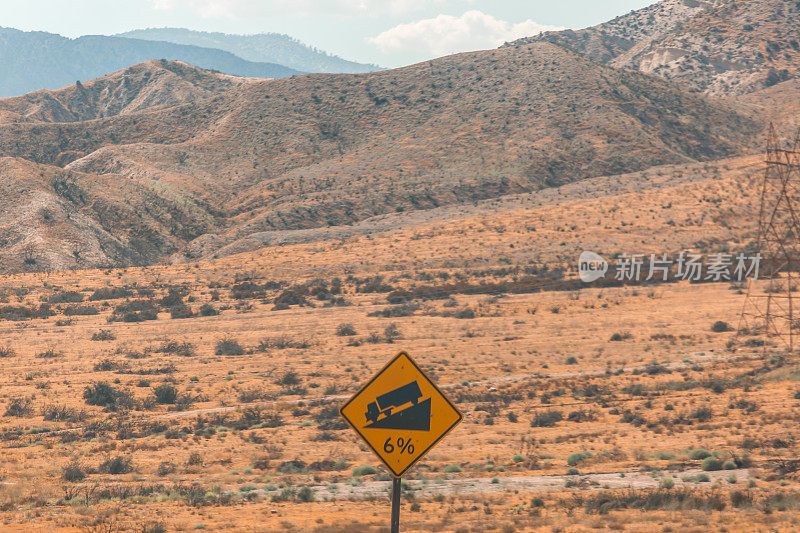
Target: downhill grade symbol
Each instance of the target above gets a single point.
(400, 414)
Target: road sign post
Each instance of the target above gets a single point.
(400, 414)
(396, 487)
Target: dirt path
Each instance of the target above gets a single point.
(465, 486)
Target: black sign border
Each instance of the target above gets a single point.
(434, 443)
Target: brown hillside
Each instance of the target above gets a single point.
(323, 150)
(151, 85)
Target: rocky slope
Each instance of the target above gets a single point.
(721, 47)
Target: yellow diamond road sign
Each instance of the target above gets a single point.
(400, 414)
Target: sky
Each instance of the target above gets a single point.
(389, 33)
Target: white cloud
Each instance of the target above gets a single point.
(237, 9)
(446, 34)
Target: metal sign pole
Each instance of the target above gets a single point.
(395, 526)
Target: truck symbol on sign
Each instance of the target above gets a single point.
(384, 412)
(384, 403)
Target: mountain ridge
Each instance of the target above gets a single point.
(261, 47)
(41, 60)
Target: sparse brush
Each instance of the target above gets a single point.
(345, 330)
(19, 407)
(121, 464)
(7, 351)
(103, 335)
(228, 346)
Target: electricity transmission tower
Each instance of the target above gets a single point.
(770, 306)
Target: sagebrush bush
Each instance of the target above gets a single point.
(165, 394)
(545, 419)
(73, 472)
(120, 464)
(228, 346)
(345, 330)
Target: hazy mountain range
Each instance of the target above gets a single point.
(30, 61)
(264, 47)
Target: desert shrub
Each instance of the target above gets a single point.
(305, 494)
(582, 415)
(174, 297)
(81, 310)
(22, 312)
(326, 436)
(604, 502)
(228, 346)
(73, 472)
(181, 310)
(699, 454)
(102, 394)
(729, 465)
(208, 310)
(392, 333)
(465, 313)
(289, 379)
(622, 336)
(654, 368)
(65, 297)
(345, 330)
(699, 478)
(107, 365)
(248, 290)
(666, 483)
(166, 468)
(282, 342)
(571, 360)
(252, 394)
(120, 464)
(396, 311)
(165, 394)
(544, 419)
(633, 418)
(183, 349)
(364, 470)
(741, 498)
(62, 413)
(576, 458)
(110, 293)
(451, 469)
(7, 351)
(710, 464)
(720, 327)
(261, 462)
(103, 335)
(702, 414)
(195, 459)
(374, 338)
(154, 527)
(135, 311)
(294, 466)
(287, 299)
(49, 353)
(19, 407)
